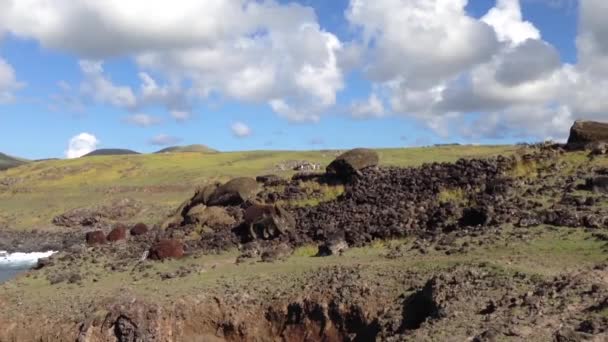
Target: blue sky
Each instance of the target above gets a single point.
(53, 99)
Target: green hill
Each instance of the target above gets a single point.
(7, 162)
(189, 148)
(110, 152)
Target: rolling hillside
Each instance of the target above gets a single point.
(7, 161)
(189, 148)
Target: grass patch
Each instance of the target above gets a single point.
(456, 196)
(306, 251)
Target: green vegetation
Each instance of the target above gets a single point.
(456, 196)
(547, 252)
(7, 162)
(39, 191)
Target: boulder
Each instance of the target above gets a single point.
(234, 192)
(209, 216)
(268, 221)
(597, 184)
(352, 162)
(119, 232)
(139, 229)
(96, 237)
(332, 247)
(166, 249)
(585, 132)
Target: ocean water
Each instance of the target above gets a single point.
(11, 264)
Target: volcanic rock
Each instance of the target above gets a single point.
(597, 184)
(585, 132)
(209, 216)
(118, 233)
(95, 238)
(267, 221)
(234, 192)
(139, 229)
(352, 162)
(166, 249)
(332, 247)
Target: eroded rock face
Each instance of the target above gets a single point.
(268, 221)
(95, 238)
(353, 161)
(166, 249)
(585, 132)
(118, 233)
(234, 192)
(213, 217)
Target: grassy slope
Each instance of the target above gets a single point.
(7, 161)
(45, 189)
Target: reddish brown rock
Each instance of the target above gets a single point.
(353, 161)
(95, 238)
(586, 132)
(139, 229)
(118, 233)
(166, 249)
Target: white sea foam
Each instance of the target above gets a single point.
(21, 260)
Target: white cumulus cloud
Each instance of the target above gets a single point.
(8, 82)
(240, 130)
(80, 145)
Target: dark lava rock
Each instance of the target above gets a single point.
(118, 233)
(585, 132)
(95, 238)
(166, 249)
(353, 161)
(332, 247)
(234, 192)
(270, 180)
(597, 184)
(139, 229)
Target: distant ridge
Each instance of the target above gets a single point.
(110, 152)
(190, 148)
(7, 162)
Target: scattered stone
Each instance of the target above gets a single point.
(597, 184)
(95, 238)
(139, 229)
(166, 249)
(118, 233)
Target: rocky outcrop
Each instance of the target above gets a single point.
(352, 162)
(213, 217)
(583, 133)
